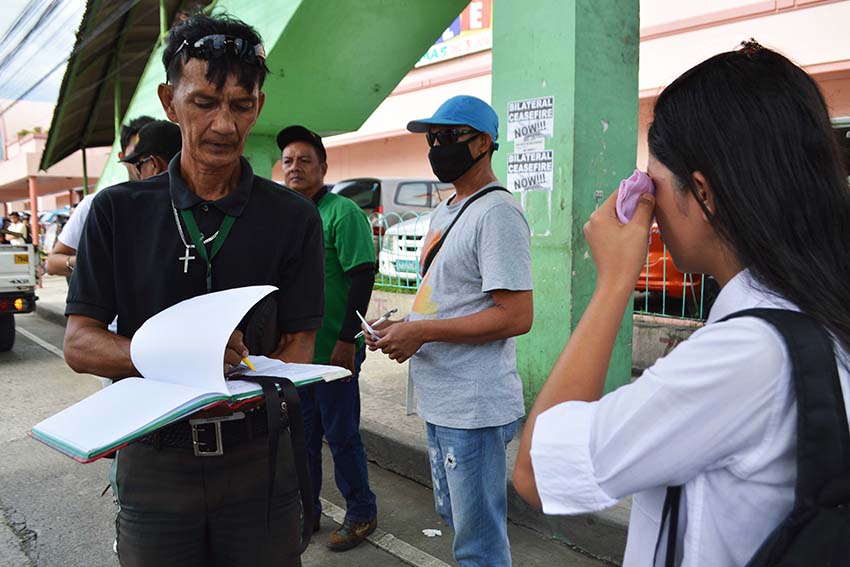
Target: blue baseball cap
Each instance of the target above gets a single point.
(462, 110)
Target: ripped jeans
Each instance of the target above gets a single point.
(468, 470)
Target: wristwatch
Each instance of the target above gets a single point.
(68, 264)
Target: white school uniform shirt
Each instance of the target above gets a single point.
(718, 415)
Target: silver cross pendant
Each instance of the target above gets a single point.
(185, 259)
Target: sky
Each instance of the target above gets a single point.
(26, 60)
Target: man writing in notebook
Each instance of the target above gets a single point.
(332, 410)
(196, 494)
(475, 296)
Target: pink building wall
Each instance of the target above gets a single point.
(675, 35)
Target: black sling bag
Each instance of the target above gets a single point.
(817, 531)
(432, 253)
(279, 415)
(261, 336)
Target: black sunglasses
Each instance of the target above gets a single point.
(219, 45)
(137, 165)
(447, 137)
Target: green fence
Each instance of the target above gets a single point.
(661, 289)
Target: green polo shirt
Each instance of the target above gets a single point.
(348, 244)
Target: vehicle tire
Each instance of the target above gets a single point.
(7, 332)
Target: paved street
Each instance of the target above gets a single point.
(52, 514)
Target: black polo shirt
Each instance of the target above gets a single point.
(128, 260)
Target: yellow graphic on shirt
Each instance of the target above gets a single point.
(422, 304)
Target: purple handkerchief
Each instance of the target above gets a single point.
(629, 194)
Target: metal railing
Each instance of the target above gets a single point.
(661, 290)
(664, 291)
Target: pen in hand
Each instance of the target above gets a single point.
(383, 318)
(249, 364)
(368, 327)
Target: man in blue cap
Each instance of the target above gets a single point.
(475, 297)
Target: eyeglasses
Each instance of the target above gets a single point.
(137, 165)
(218, 45)
(447, 137)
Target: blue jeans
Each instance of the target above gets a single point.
(332, 410)
(470, 490)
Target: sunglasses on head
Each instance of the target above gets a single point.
(447, 137)
(219, 45)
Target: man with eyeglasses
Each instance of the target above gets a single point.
(146, 153)
(157, 144)
(129, 135)
(474, 298)
(207, 492)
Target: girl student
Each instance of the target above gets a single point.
(749, 189)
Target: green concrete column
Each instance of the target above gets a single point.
(262, 152)
(584, 53)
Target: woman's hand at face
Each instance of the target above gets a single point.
(619, 250)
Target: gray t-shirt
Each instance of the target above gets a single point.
(460, 385)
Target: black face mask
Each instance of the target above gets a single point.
(452, 161)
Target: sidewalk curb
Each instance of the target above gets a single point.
(598, 535)
(51, 313)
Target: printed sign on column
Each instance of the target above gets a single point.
(530, 171)
(531, 119)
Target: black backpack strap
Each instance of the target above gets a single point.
(823, 437)
(672, 503)
(432, 253)
(290, 411)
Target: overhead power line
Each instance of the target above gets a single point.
(119, 12)
(21, 20)
(39, 24)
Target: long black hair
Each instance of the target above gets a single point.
(758, 129)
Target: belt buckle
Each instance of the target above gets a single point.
(199, 427)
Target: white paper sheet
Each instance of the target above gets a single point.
(298, 373)
(185, 343)
(111, 414)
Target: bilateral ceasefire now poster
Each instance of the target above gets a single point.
(530, 123)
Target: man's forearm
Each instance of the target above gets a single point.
(296, 347)
(494, 323)
(57, 264)
(94, 350)
(59, 258)
(359, 294)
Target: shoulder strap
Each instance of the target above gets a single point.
(432, 253)
(823, 436)
(669, 518)
(288, 411)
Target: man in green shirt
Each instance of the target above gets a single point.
(332, 409)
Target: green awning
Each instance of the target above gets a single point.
(113, 47)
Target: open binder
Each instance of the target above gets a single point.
(180, 354)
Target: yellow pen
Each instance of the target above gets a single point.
(249, 364)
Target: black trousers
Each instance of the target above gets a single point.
(176, 509)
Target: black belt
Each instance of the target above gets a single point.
(210, 437)
(207, 438)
